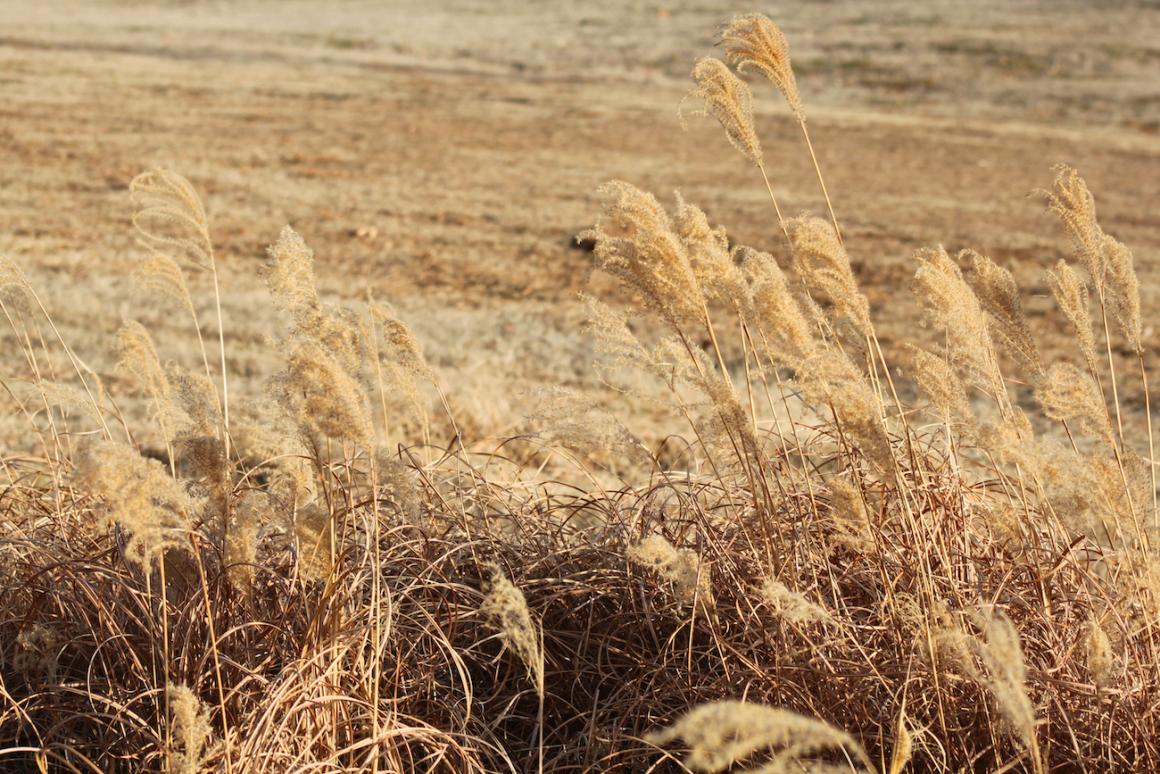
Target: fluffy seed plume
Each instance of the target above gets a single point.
(996, 663)
(753, 40)
(1070, 395)
(138, 362)
(191, 730)
(1123, 292)
(1097, 649)
(999, 296)
(682, 567)
(792, 606)
(728, 99)
(822, 263)
(849, 516)
(171, 217)
(139, 494)
(290, 276)
(952, 306)
(159, 275)
(322, 397)
(638, 244)
(773, 311)
(720, 278)
(724, 733)
(1073, 204)
(942, 385)
(1071, 296)
(506, 610)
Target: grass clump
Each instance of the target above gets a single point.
(837, 573)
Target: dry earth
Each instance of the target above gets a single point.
(443, 155)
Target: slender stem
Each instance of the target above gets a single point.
(217, 296)
(772, 198)
(821, 181)
(1151, 446)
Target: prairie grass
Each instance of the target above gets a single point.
(826, 578)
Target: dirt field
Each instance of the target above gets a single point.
(443, 155)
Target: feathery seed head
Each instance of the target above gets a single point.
(1071, 296)
(644, 251)
(753, 40)
(709, 256)
(290, 277)
(171, 217)
(774, 311)
(682, 567)
(724, 733)
(999, 296)
(1097, 648)
(728, 99)
(322, 396)
(505, 609)
(822, 263)
(139, 493)
(1123, 292)
(943, 386)
(792, 606)
(138, 362)
(1073, 203)
(951, 305)
(159, 275)
(191, 730)
(1068, 394)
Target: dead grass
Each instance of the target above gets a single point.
(327, 576)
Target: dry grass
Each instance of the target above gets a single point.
(825, 578)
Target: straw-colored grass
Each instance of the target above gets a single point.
(830, 577)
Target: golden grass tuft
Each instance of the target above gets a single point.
(725, 733)
(753, 40)
(727, 98)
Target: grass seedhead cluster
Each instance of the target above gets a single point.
(945, 563)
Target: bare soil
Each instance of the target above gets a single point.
(442, 156)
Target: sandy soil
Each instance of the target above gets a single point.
(443, 155)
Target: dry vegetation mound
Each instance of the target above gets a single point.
(840, 568)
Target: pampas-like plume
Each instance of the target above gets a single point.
(506, 610)
(139, 363)
(724, 733)
(753, 40)
(290, 277)
(1097, 649)
(996, 663)
(170, 215)
(728, 99)
(954, 308)
(322, 396)
(644, 251)
(792, 606)
(849, 516)
(719, 276)
(191, 730)
(153, 506)
(1123, 292)
(1068, 394)
(158, 274)
(773, 310)
(1071, 296)
(999, 296)
(1073, 203)
(680, 566)
(828, 378)
(943, 386)
(822, 263)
